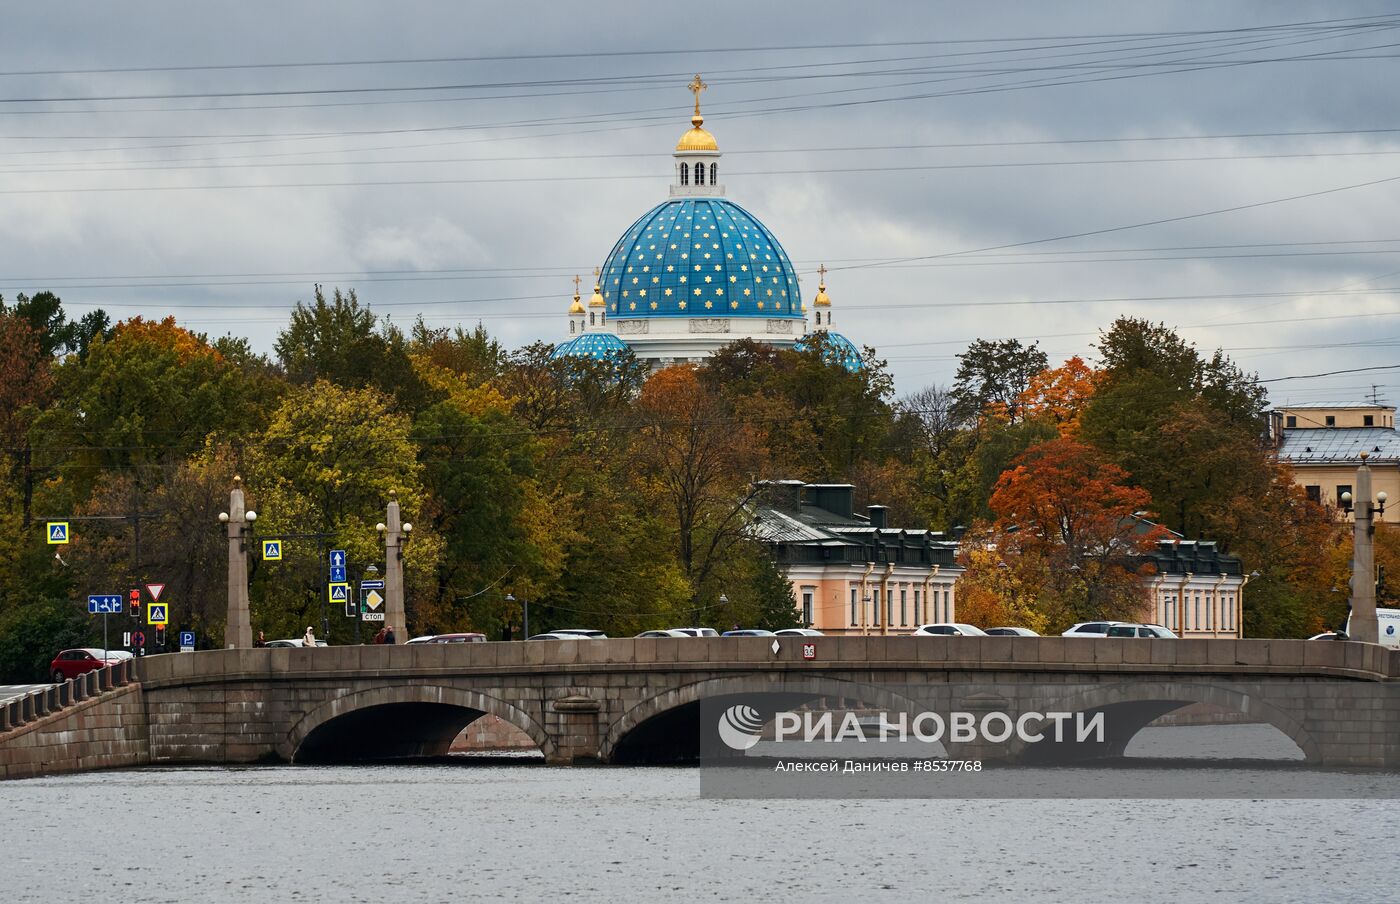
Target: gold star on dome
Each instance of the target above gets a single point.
(653, 305)
(770, 293)
(708, 278)
(709, 304)
(673, 247)
(744, 267)
(632, 306)
(747, 292)
(734, 304)
(681, 305)
(760, 305)
(733, 278)
(624, 293)
(697, 290)
(642, 293)
(670, 268)
(668, 293)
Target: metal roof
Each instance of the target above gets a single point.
(1340, 444)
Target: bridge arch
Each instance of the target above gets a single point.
(683, 701)
(1133, 706)
(431, 716)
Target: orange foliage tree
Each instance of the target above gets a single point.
(1066, 530)
(1060, 394)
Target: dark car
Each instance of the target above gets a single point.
(81, 660)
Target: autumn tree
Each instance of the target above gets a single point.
(1066, 516)
(696, 461)
(1060, 395)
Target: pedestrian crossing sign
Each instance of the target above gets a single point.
(272, 550)
(339, 592)
(58, 532)
(156, 613)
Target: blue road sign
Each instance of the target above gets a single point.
(104, 604)
(58, 532)
(187, 639)
(338, 593)
(337, 574)
(272, 550)
(337, 558)
(371, 585)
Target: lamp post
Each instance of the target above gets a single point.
(238, 633)
(1364, 625)
(525, 615)
(395, 534)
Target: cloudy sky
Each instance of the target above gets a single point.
(964, 170)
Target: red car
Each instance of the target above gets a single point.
(72, 663)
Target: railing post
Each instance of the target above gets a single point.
(104, 678)
(65, 693)
(5, 718)
(90, 684)
(36, 704)
(51, 701)
(16, 708)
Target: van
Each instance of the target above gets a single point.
(1389, 620)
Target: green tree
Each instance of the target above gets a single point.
(992, 377)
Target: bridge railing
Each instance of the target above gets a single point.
(55, 698)
(1062, 654)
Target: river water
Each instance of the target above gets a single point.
(513, 830)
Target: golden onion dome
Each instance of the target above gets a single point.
(576, 307)
(597, 300)
(822, 300)
(697, 139)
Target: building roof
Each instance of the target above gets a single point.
(598, 344)
(837, 349)
(1341, 406)
(1340, 444)
(699, 257)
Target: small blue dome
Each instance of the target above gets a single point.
(597, 345)
(837, 349)
(699, 257)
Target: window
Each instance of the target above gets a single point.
(1290, 422)
(917, 620)
(591, 321)
(1196, 622)
(1368, 420)
(819, 318)
(807, 606)
(685, 174)
(855, 601)
(875, 596)
(947, 605)
(1314, 493)
(903, 607)
(1331, 420)
(571, 327)
(714, 172)
(699, 174)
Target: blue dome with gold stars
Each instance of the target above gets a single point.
(596, 345)
(699, 257)
(836, 349)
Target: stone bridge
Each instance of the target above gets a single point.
(638, 700)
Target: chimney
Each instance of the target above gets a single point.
(878, 515)
(837, 498)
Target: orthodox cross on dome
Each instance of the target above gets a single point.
(577, 280)
(696, 86)
(596, 273)
(821, 272)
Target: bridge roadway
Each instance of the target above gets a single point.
(638, 700)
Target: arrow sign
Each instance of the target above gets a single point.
(104, 604)
(337, 558)
(155, 590)
(337, 574)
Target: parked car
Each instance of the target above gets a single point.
(949, 629)
(81, 660)
(1131, 630)
(1328, 635)
(426, 638)
(561, 635)
(748, 632)
(665, 632)
(1011, 632)
(465, 637)
(799, 632)
(1090, 629)
(581, 632)
(696, 632)
(292, 642)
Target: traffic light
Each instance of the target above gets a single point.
(134, 603)
(160, 636)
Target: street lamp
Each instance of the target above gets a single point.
(525, 606)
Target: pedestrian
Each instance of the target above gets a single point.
(389, 634)
(261, 641)
(378, 636)
(309, 638)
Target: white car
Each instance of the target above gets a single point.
(1011, 632)
(581, 632)
(799, 632)
(948, 629)
(1129, 630)
(426, 638)
(665, 632)
(696, 632)
(1090, 629)
(561, 635)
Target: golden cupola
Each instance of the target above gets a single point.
(822, 300)
(697, 138)
(597, 300)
